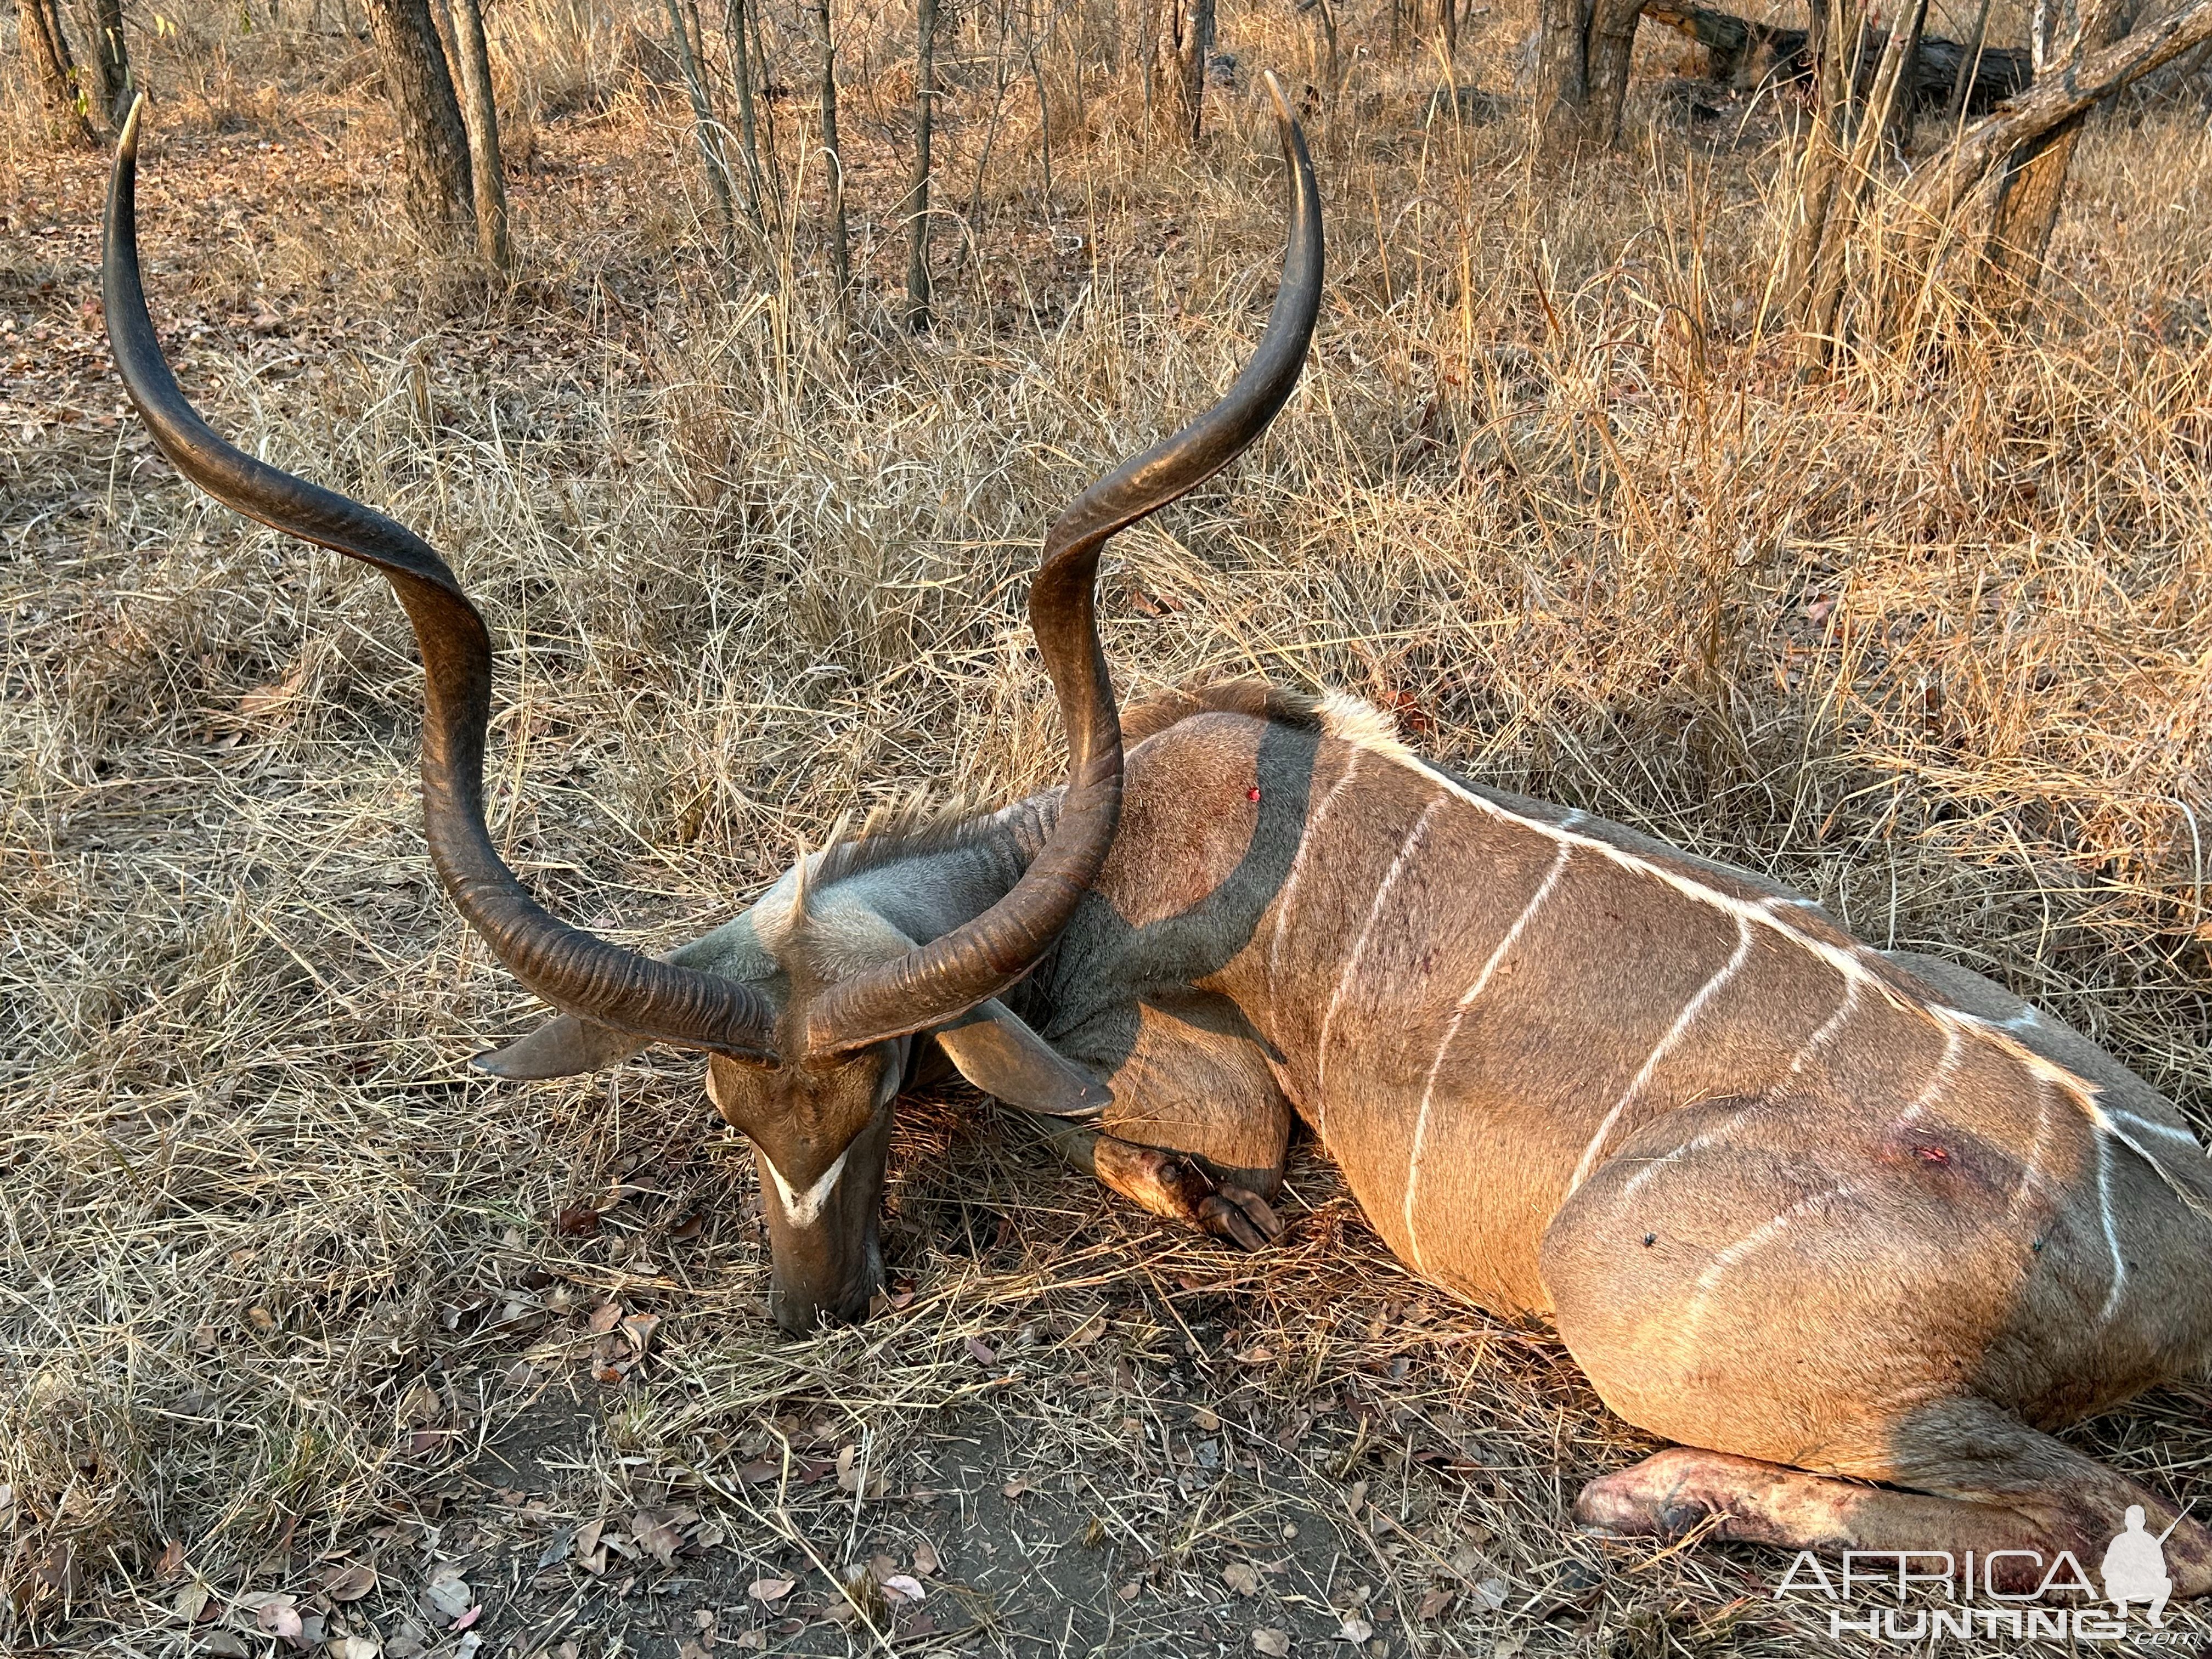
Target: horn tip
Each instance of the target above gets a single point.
(1282, 103)
(126, 147)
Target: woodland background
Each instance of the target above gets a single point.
(1717, 469)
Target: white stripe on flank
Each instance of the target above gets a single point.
(1766, 1233)
(1854, 961)
(2031, 1169)
(2112, 1230)
(1298, 860)
(1358, 948)
(1695, 1143)
(1955, 1041)
(1459, 1011)
(805, 1208)
(1682, 1021)
(2157, 1128)
(1829, 1027)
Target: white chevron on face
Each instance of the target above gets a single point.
(804, 1209)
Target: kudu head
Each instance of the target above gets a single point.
(810, 1006)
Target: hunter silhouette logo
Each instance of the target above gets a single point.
(2135, 1568)
(1917, 1595)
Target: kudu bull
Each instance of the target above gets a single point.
(1808, 1209)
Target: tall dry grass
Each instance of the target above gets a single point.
(1927, 639)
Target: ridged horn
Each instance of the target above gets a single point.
(941, 979)
(576, 971)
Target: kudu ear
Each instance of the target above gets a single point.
(994, 1049)
(563, 1046)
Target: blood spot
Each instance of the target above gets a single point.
(1252, 793)
(1930, 1154)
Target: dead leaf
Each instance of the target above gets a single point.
(925, 1560)
(1271, 1641)
(639, 1329)
(278, 1616)
(191, 1602)
(656, 1536)
(751, 1639)
(1205, 1420)
(980, 1352)
(768, 1590)
(1016, 1488)
(354, 1647)
(577, 1221)
(904, 1587)
(1354, 1629)
(1240, 1577)
(221, 1645)
(1493, 1592)
(1434, 1603)
(56, 1573)
(447, 1593)
(172, 1561)
(605, 1317)
(264, 700)
(348, 1582)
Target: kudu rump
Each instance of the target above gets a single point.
(1796, 1203)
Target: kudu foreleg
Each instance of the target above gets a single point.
(1172, 1185)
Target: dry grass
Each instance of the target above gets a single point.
(1928, 641)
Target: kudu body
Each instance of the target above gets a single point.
(1809, 1209)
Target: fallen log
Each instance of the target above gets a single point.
(1746, 55)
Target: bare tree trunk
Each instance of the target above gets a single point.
(1036, 55)
(1450, 18)
(1945, 182)
(1612, 44)
(706, 128)
(1969, 66)
(2034, 187)
(434, 143)
(47, 59)
(487, 169)
(1820, 325)
(840, 246)
(111, 61)
(1192, 22)
(917, 196)
(1562, 68)
(771, 156)
(1327, 13)
(735, 25)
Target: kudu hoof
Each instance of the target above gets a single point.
(1242, 1216)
